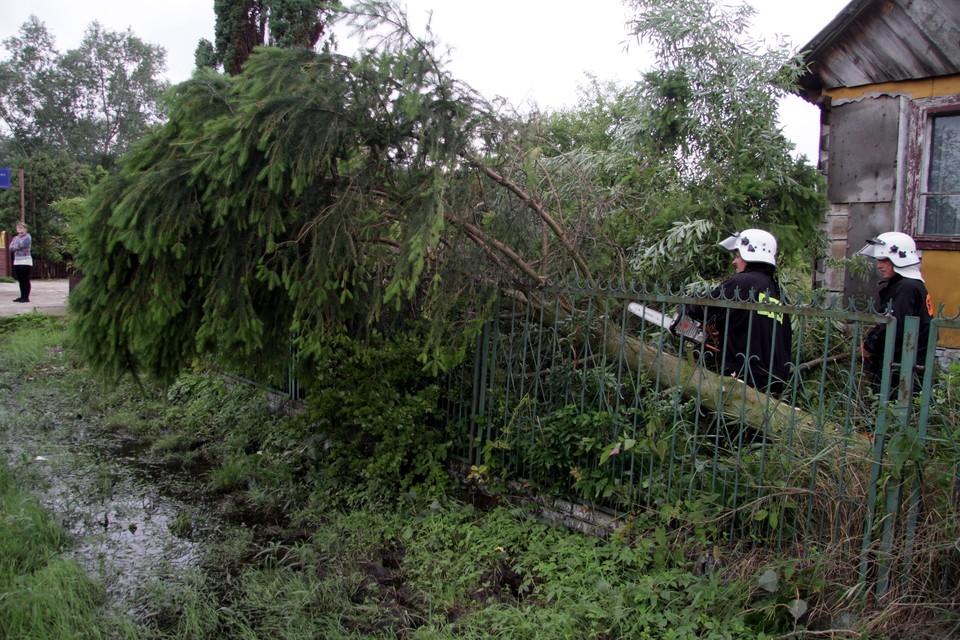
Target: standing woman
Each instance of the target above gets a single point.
(22, 261)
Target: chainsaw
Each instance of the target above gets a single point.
(679, 325)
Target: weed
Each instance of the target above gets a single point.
(182, 525)
(234, 473)
(372, 426)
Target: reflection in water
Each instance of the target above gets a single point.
(127, 532)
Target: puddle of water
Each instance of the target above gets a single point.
(125, 535)
(124, 527)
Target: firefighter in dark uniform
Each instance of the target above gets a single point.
(754, 346)
(905, 293)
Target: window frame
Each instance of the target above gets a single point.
(922, 113)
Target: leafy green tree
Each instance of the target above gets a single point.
(69, 215)
(243, 25)
(49, 177)
(691, 152)
(111, 82)
(594, 124)
(93, 101)
(708, 113)
(28, 87)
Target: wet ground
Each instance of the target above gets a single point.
(129, 528)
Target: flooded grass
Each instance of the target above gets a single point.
(123, 523)
(196, 513)
(116, 504)
(45, 593)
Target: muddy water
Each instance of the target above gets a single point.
(128, 529)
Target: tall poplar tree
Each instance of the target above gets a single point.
(93, 102)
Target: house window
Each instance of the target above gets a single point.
(931, 206)
(940, 196)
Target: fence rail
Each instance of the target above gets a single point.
(49, 270)
(43, 269)
(570, 393)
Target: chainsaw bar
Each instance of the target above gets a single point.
(678, 325)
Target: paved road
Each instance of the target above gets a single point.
(46, 296)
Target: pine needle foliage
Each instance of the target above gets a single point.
(316, 196)
(296, 199)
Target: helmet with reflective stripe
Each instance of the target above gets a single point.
(754, 245)
(898, 248)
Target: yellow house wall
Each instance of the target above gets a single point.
(941, 270)
(916, 89)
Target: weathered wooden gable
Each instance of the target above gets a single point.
(876, 41)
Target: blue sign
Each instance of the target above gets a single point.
(4, 178)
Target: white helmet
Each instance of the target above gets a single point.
(754, 245)
(898, 248)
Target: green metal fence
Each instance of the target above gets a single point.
(573, 395)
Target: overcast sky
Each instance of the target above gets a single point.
(528, 51)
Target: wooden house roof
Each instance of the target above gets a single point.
(875, 41)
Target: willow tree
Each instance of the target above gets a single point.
(693, 151)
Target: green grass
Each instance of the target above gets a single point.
(286, 557)
(28, 341)
(29, 538)
(43, 595)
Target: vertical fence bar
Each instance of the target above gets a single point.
(487, 374)
(898, 452)
(878, 442)
(923, 417)
(478, 397)
(518, 378)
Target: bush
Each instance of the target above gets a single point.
(372, 424)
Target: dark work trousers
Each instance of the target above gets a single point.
(22, 273)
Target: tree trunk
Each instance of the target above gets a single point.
(730, 397)
(720, 394)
